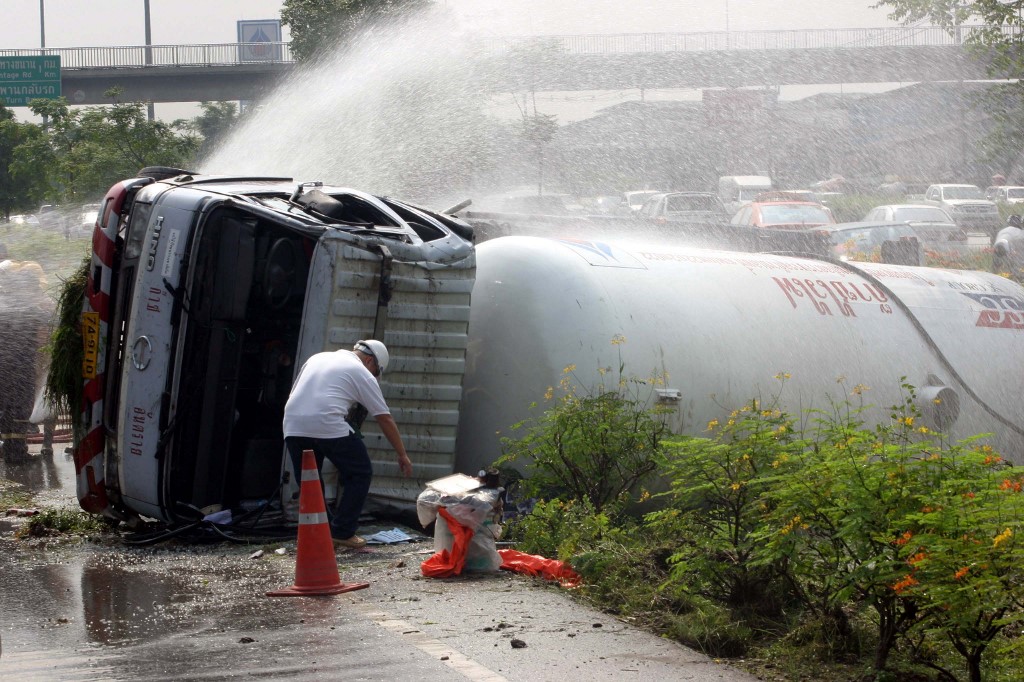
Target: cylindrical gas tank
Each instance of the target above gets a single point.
(721, 326)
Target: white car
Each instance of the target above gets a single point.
(909, 213)
(1005, 194)
(635, 199)
(967, 205)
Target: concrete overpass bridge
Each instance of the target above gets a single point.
(246, 71)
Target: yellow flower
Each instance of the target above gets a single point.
(841, 378)
(859, 389)
(712, 424)
(570, 368)
(618, 340)
(922, 429)
(908, 421)
(783, 375)
(1002, 537)
(645, 495)
(736, 486)
(548, 393)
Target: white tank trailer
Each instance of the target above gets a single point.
(721, 325)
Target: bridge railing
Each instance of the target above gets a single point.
(139, 56)
(226, 54)
(632, 43)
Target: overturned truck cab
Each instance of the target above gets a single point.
(205, 293)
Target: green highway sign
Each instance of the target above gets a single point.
(24, 78)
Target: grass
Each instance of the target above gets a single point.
(50, 522)
(13, 496)
(59, 257)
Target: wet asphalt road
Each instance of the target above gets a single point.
(98, 609)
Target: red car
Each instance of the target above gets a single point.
(780, 213)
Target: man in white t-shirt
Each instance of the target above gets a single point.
(316, 417)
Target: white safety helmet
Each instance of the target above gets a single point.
(375, 349)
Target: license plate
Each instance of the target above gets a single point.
(91, 344)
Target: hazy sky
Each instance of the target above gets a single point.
(76, 23)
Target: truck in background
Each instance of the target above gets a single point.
(736, 190)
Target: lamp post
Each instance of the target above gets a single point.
(42, 26)
(150, 109)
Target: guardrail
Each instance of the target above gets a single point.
(141, 56)
(226, 54)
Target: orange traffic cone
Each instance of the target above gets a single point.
(316, 568)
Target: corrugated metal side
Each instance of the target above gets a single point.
(426, 334)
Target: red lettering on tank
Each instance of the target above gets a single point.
(877, 293)
(153, 300)
(788, 289)
(839, 299)
(809, 285)
(802, 288)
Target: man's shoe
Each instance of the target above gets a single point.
(354, 542)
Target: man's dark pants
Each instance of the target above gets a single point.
(355, 472)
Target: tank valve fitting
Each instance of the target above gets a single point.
(938, 404)
(669, 395)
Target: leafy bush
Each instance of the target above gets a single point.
(717, 495)
(846, 538)
(559, 529)
(592, 444)
(61, 522)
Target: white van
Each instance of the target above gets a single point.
(736, 190)
(204, 296)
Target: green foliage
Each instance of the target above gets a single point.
(214, 124)
(962, 549)
(838, 516)
(885, 548)
(718, 491)
(559, 529)
(61, 522)
(593, 445)
(993, 38)
(64, 379)
(17, 193)
(78, 154)
(320, 25)
(13, 495)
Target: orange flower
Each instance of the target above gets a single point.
(961, 572)
(917, 558)
(904, 539)
(907, 582)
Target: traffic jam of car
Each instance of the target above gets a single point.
(953, 225)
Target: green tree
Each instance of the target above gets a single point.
(317, 25)
(81, 152)
(16, 192)
(993, 30)
(216, 121)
